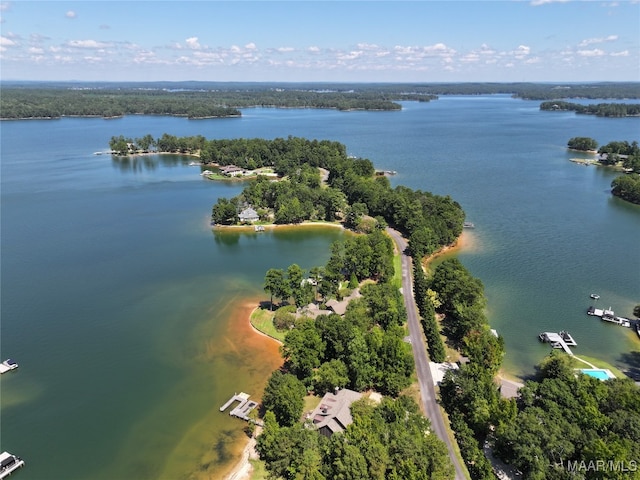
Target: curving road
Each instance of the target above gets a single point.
(425, 379)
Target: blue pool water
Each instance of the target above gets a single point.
(599, 374)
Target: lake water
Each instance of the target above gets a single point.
(127, 314)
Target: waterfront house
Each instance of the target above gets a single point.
(248, 215)
(333, 415)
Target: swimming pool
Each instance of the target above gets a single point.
(600, 374)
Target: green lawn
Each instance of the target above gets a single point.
(262, 320)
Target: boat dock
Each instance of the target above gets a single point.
(562, 340)
(607, 315)
(243, 409)
(8, 365)
(9, 463)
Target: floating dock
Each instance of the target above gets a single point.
(9, 463)
(243, 409)
(609, 316)
(562, 340)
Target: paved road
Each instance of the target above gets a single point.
(425, 380)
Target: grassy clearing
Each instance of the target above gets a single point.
(262, 320)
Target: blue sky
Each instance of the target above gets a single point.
(338, 41)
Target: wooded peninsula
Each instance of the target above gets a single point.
(559, 420)
(50, 100)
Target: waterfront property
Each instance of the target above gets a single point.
(333, 414)
(248, 215)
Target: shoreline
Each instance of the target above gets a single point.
(273, 226)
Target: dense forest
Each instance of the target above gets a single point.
(600, 109)
(219, 99)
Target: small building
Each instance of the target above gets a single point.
(333, 415)
(249, 215)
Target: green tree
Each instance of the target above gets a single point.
(582, 143)
(275, 283)
(284, 396)
(303, 349)
(295, 275)
(627, 187)
(224, 212)
(330, 375)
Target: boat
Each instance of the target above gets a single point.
(638, 328)
(595, 296)
(468, 225)
(8, 365)
(9, 463)
(259, 228)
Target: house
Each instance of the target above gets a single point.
(333, 415)
(232, 171)
(248, 215)
(340, 306)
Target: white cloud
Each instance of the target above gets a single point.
(251, 46)
(285, 49)
(537, 3)
(7, 42)
(86, 44)
(314, 49)
(596, 52)
(71, 14)
(624, 53)
(192, 42)
(4, 6)
(592, 41)
(36, 50)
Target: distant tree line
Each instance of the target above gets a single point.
(600, 109)
(17, 103)
(220, 99)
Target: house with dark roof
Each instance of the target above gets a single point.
(333, 415)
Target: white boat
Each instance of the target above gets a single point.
(8, 365)
(9, 463)
(595, 296)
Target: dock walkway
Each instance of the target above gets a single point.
(243, 409)
(560, 340)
